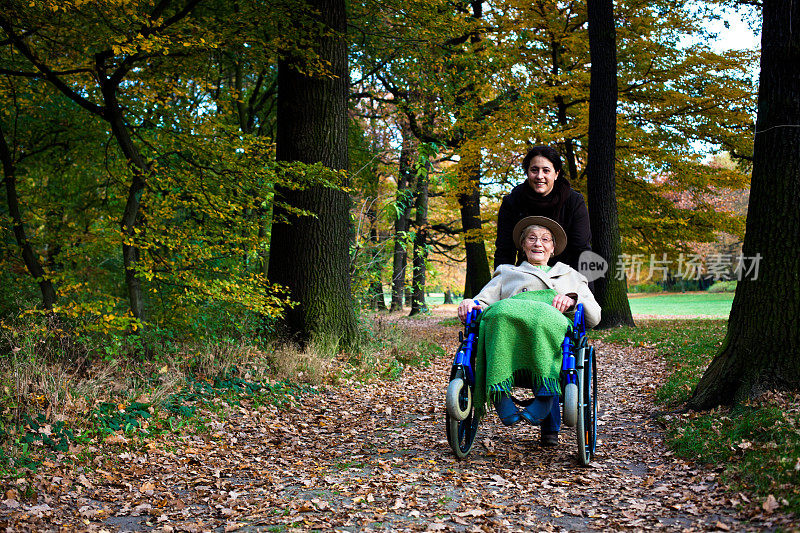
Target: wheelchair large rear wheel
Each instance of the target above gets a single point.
(587, 405)
(462, 427)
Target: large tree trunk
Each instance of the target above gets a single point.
(403, 221)
(762, 347)
(29, 257)
(309, 254)
(478, 273)
(611, 291)
(418, 304)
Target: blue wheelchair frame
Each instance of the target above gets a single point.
(578, 384)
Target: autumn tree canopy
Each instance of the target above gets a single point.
(142, 184)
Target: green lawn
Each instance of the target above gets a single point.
(672, 304)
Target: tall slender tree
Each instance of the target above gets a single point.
(611, 290)
(309, 254)
(762, 348)
(418, 304)
(402, 221)
(29, 256)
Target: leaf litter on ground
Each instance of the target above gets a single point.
(374, 455)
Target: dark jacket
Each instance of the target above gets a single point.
(573, 217)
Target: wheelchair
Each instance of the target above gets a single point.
(578, 385)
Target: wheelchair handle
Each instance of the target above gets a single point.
(580, 324)
(473, 315)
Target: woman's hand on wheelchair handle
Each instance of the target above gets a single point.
(563, 302)
(465, 307)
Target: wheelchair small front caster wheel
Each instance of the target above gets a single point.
(570, 405)
(459, 399)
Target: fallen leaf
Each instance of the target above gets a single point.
(115, 439)
(770, 504)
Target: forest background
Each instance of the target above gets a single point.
(140, 171)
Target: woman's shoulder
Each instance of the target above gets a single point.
(507, 268)
(575, 197)
(563, 269)
(513, 269)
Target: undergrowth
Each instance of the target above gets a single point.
(59, 393)
(756, 445)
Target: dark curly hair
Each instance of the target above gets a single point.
(548, 152)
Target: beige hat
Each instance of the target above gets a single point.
(555, 228)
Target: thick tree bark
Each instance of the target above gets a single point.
(478, 273)
(29, 257)
(762, 348)
(310, 254)
(418, 304)
(611, 290)
(403, 222)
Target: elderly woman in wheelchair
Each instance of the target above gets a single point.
(523, 326)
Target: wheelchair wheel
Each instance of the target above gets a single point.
(570, 405)
(461, 424)
(459, 399)
(587, 405)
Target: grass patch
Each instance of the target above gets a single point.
(676, 304)
(756, 445)
(686, 345)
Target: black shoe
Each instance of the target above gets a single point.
(507, 411)
(538, 409)
(548, 439)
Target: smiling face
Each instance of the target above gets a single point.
(538, 244)
(541, 175)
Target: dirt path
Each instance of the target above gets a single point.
(375, 457)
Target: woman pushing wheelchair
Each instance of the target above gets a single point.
(523, 324)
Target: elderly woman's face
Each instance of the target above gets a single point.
(538, 246)
(541, 175)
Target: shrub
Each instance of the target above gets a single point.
(723, 286)
(646, 287)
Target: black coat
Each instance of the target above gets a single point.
(573, 217)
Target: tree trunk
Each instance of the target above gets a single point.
(130, 216)
(561, 107)
(478, 273)
(611, 291)
(310, 254)
(762, 348)
(418, 304)
(377, 301)
(29, 257)
(448, 296)
(569, 155)
(403, 221)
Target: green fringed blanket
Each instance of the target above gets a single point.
(519, 340)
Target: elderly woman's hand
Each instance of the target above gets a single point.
(465, 307)
(563, 302)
